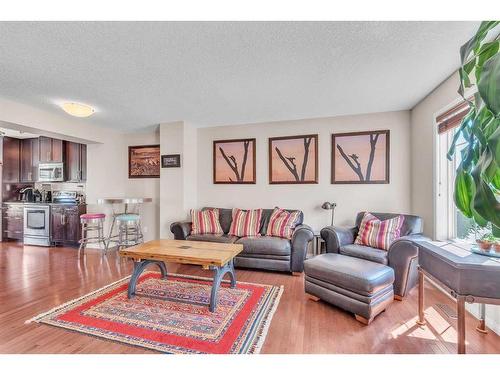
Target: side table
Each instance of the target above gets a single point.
(317, 241)
(465, 276)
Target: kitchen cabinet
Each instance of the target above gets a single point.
(51, 150)
(12, 221)
(76, 162)
(29, 160)
(11, 156)
(65, 223)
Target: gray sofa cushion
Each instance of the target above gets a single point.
(365, 252)
(212, 238)
(265, 245)
(354, 274)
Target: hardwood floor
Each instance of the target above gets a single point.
(35, 279)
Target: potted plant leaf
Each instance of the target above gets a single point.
(477, 182)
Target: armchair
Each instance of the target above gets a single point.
(402, 255)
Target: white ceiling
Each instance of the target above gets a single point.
(139, 74)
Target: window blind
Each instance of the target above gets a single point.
(452, 117)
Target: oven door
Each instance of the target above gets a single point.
(36, 221)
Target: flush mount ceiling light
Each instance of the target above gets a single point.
(78, 109)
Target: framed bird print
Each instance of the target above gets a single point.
(293, 160)
(361, 157)
(234, 161)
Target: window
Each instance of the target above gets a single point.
(450, 222)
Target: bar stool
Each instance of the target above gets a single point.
(129, 230)
(92, 223)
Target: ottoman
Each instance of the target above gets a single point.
(356, 285)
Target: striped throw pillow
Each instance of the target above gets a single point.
(379, 233)
(245, 223)
(282, 223)
(205, 221)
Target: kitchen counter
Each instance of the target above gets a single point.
(45, 203)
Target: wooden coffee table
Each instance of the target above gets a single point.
(210, 255)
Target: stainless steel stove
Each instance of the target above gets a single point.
(37, 224)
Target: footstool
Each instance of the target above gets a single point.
(356, 285)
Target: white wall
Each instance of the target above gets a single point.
(393, 197)
(423, 151)
(107, 176)
(178, 186)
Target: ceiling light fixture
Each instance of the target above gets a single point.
(78, 109)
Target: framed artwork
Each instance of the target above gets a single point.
(144, 161)
(171, 161)
(234, 161)
(361, 158)
(293, 160)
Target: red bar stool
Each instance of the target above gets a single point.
(92, 223)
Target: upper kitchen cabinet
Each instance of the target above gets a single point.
(51, 150)
(11, 156)
(29, 160)
(76, 162)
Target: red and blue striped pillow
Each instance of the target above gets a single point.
(205, 221)
(245, 223)
(282, 223)
(379, 233)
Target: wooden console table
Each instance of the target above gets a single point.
(465, 276)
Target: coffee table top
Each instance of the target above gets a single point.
(185, 252)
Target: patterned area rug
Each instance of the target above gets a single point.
(172, 315)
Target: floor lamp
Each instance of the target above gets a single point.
(329, 206)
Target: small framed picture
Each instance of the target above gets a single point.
(171, 161)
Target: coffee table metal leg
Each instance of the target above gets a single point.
(219, 273)
(138, 269)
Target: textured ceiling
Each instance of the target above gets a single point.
(139, 74)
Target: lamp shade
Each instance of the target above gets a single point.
(328, 206)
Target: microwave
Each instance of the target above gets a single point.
(51, 172)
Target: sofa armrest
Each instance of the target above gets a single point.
(302, 235)
(181, 229)
(335, 237)
(403, 258)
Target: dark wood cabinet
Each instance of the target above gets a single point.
(51, 150)
(29, 160)
(76, 162)
(11, 159)
(65, 223)
(12, 221)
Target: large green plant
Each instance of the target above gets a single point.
(477, 183)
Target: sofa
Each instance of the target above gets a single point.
(402, 255)
(264, 252)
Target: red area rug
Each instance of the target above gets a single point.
(172, 315)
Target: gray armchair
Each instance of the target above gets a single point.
(402, 255)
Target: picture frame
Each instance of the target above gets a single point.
(144, 161)
(234, 161)
(287, 156)
(361, 157)
(171, 161)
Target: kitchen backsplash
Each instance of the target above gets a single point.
(70, 186)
